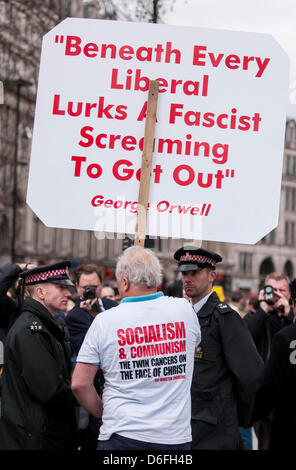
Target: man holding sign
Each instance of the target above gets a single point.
(145, 348)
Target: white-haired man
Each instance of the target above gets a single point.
(145, 347)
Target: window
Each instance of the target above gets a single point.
(272, 237)
(294, 167)
(293, 194)
(290, 133)
(245, 263)
(287, 205)
(289, 269)
(154, 243)
(150, 242)
(288, 164)
(290, 201)
(266, 267)
(269, 239)
(289, 233)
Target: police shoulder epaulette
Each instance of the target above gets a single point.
(223, 308)
(35, 326)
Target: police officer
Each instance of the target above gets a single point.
(38, 408)
(227, 369)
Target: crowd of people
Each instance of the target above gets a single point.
(138, 367)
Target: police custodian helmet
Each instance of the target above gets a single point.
(57, 273)
(191, 258)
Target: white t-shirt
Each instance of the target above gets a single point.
(145, 347)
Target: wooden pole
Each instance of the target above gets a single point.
(140, 233)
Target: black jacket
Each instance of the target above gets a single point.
(278, 391)
(37, 402)
(79, 320)
(263, 326)
(9, 307)
(227, 372)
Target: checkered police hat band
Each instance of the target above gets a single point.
(198, 258)
(39, 277)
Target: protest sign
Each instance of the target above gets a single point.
(219, 135)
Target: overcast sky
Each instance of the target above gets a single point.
(276, 17)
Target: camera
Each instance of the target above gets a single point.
(89, 293)
(268, 295)
(270, 299)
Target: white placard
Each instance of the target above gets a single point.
(219, 137)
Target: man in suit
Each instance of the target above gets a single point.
(88, 305)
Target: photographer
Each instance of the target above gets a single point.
(277, 393)
(274, 313)
(88, 305)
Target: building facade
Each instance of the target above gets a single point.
(23, 235)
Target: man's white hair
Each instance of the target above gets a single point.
(140, 266)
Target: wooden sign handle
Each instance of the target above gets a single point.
(140, 233)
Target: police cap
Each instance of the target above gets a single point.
(57, 273)
(191, 258)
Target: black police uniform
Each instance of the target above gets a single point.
(38, 408)
(227, 368)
